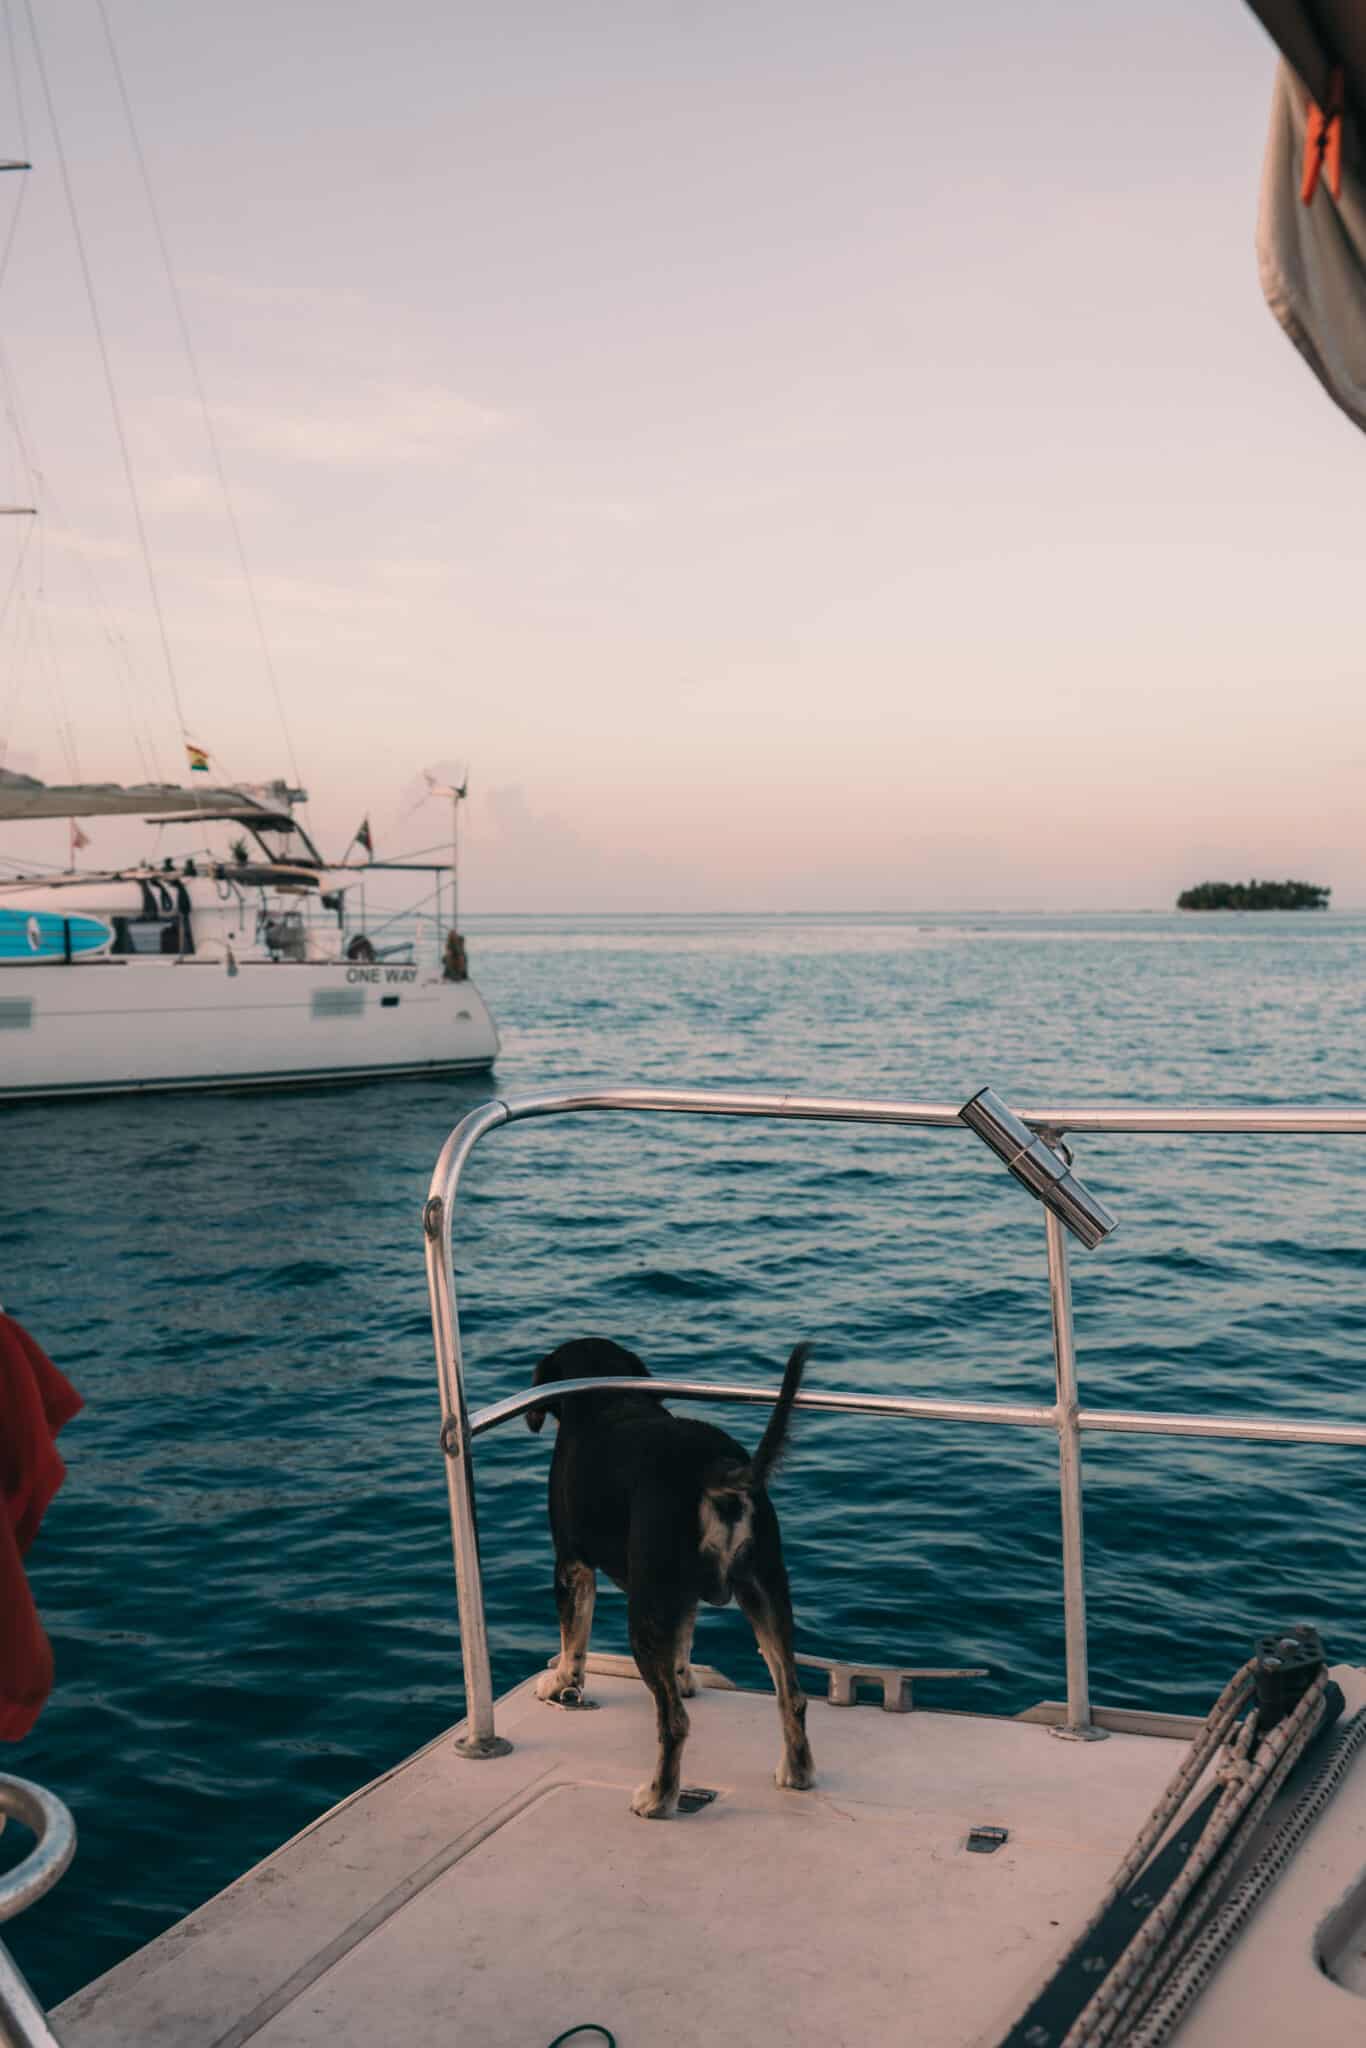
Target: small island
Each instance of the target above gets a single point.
(1254, 896)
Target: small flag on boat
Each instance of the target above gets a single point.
(78, 838)
(199, 760)
(363, 838)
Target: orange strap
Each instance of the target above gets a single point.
(1323, 141)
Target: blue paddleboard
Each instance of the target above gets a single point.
(41, 935)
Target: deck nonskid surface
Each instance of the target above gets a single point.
(503, 1901)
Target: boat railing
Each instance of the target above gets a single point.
(22, 2020)
(1063, 1413)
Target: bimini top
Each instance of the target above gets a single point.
(1311, 234)
(261, 804)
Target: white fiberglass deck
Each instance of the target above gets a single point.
(499, 1902)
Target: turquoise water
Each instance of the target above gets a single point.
(247, 1577)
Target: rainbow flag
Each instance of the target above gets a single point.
(199, 760)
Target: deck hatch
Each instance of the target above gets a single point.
(16, 1013)
(985, 1841)
(338, 1002)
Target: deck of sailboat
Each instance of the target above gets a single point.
(503, 1901)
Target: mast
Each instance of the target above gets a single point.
(17, 163)
(456, 792)
(455, 859)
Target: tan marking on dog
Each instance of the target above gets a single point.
(568, 1667)
(795, 1773)
(687, 1677)
(649, 1803)
(722, 1539)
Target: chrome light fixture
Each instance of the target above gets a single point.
(1038, 1167)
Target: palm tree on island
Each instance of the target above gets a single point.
(1254, 896)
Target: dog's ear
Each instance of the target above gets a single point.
(545, 1370)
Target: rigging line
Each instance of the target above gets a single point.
(411, 910)
(11, 710)
(48, 642)
(21, 122)
(148, 765)
(114, 405)
(8, 250)
(30, 529)
(12, 414)
(139, 727)
(24, 660)
(14, 72)
(210, 431)
(42, 494)
(441, 846)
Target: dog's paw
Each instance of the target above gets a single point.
(687, 1681)
(560, 1692)
(798, 1776)
(647, 1804)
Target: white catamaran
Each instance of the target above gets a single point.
(248, 965)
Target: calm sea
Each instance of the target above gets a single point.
(248, 1578)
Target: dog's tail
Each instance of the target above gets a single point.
(726, 1510)
(774, 1440)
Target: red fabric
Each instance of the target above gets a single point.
(35, 1400)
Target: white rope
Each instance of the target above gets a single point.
(1192, 1971)
(1249, 1783)
(1218, 1721)
(1173, 1953)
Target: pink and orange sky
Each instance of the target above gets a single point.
(800, 457)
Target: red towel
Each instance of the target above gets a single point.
(35, 1400)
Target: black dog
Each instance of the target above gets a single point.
(676, 1512)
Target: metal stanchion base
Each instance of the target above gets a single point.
(1080, 1731)
(476, 1751)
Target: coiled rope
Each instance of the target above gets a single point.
(1186, 1982)
(1158, 1905)
(1247, 1785)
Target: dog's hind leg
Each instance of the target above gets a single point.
(658, 1643)
(576, 1590)
(687, 1678)
(767, 1606)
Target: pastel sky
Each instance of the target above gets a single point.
(800, 457)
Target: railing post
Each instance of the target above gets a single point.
(479, 1739)
(1078, 1726)
(23, 2023)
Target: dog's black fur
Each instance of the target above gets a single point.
(675, 1511)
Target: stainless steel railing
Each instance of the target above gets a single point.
(23, 2024)
(1064, 1414)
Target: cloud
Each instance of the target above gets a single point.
(522, 858)
(385, 424)
(92, 547)
(317, 301)
(426, 572)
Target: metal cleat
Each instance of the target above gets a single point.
(896, 1680)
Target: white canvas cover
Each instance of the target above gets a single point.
(1312, 257)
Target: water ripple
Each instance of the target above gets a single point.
(248, 1577)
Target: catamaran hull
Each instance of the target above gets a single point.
(122, 1026)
